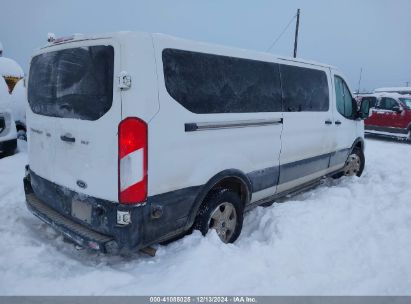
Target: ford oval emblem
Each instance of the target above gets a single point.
(81, 184)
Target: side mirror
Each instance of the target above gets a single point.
(397, 109)
(354, 107)
(364, 111)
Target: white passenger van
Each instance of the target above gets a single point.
(138, 138)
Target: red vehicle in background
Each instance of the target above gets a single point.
(390, 115)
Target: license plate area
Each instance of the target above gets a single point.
(81, 211)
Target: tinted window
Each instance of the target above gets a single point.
(72, 83)
(304, 89)
(372, 101)
(343, 97)
(205, 83)
(406, 102)
(387, 103)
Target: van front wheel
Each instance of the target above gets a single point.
(355, 163)
(222, 210)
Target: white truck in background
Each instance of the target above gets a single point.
(13, 76)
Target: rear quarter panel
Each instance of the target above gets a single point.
(179, 159)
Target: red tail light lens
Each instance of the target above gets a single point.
(132, 161)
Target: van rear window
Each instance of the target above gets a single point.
(72, 83)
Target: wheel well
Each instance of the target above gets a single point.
(21, 127)
(229, 179)
(359, 145)
(235, 184)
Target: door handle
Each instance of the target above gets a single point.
(328, 122)
(338, 122)
(67, 138)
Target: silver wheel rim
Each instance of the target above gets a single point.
(224, 221)
(353, 165)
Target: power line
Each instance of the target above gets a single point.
(281, 34)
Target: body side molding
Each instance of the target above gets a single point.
(200, 126)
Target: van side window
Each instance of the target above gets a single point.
(304, 89)
(206, 83)
(387, 103)
(343, 97)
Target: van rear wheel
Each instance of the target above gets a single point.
(222, 211)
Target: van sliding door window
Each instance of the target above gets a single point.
(304, 89)
(205, 83)
(72, 83)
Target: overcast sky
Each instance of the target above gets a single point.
(349, 34)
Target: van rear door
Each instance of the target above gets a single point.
(75, 112)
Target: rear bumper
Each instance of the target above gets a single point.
(79, 234)
(8, 146)
(102, 233)
(160, 218)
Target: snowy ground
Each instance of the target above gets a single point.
(351, 236)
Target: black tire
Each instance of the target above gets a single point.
(220, 198)
(362, 157)
(360, 153)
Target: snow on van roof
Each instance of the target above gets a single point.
(393, 89)
(8, 67)
(78, 37)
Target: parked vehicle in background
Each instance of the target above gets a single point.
(137, 138)
(8, 133)
(18, 106)
(391, 116)
(13, 75)
(399, 90)
(371, 98)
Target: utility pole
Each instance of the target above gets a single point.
(296, 33)
(359, 82)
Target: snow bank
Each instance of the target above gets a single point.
(8, 67)
(350, 236)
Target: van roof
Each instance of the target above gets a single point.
(80, 37)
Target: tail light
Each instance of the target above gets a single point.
(132, 161)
